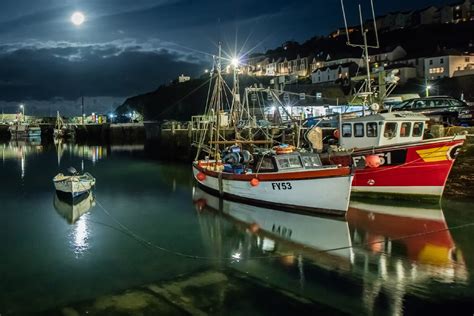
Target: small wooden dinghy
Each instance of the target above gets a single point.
(74, 184)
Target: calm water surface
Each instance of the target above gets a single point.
(382, 259)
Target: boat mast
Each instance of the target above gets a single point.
(217, 107)
(368, 95)
(235, 109)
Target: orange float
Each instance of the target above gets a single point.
(372, 161)
(201, 176)
(254, 182)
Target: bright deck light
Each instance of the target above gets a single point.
(235, 62)
(78, 18)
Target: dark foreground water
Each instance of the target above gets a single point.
(146, 242)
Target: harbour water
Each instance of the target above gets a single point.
(147, 242)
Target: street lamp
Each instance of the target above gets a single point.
(428, 87)
(22, 108)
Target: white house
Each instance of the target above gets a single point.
(271, 69)
(183, 78)
(358, 61)
(334, 72)
(416, 62)
(445, 66)
(457, 12)
(389, 55)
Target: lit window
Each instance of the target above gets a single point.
(405, 129)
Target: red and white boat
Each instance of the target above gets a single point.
(291, 181)
(392, 158)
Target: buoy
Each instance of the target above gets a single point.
(201, 176)
(372, 161)
(254, 182)
(336, 134)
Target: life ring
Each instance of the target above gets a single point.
(283, 149)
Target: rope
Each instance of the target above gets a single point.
(126, 230)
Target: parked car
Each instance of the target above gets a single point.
(440, 109)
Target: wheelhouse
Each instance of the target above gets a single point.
(286, 162)
(382, 129)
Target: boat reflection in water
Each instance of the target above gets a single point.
(20, 150)
(73, 209)
(373, 261)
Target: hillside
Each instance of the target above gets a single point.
(181, 101)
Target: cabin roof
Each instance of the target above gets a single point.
(390, 116)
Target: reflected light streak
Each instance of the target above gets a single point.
(80, 236)
(22, 167)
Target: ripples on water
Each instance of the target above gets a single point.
(390, 258)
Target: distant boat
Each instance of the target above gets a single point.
(61, 130)
(25, 131)
(73, 210)
(75, 184)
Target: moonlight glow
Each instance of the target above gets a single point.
(78, 18)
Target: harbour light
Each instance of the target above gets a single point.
(235, 62)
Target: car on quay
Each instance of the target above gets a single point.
(440, 109)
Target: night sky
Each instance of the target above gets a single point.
(127, 47)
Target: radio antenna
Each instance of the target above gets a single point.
(365, 46)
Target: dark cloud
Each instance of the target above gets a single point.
(92, 70)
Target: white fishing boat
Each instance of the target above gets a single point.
(61, 130)
(24, 131)
(279, 176)
(291, 181)
(73, 210)
(75, 184)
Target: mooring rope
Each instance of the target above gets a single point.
(142, 240)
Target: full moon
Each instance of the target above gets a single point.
(78, 18)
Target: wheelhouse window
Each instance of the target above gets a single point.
(390, 130)
(371, 129)
(311, 161)
(359, 130)
(346, 130)
(417, 129)
(288, 162)
(405, 129)
(265, 164)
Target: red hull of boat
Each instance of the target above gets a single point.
(408, 170)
